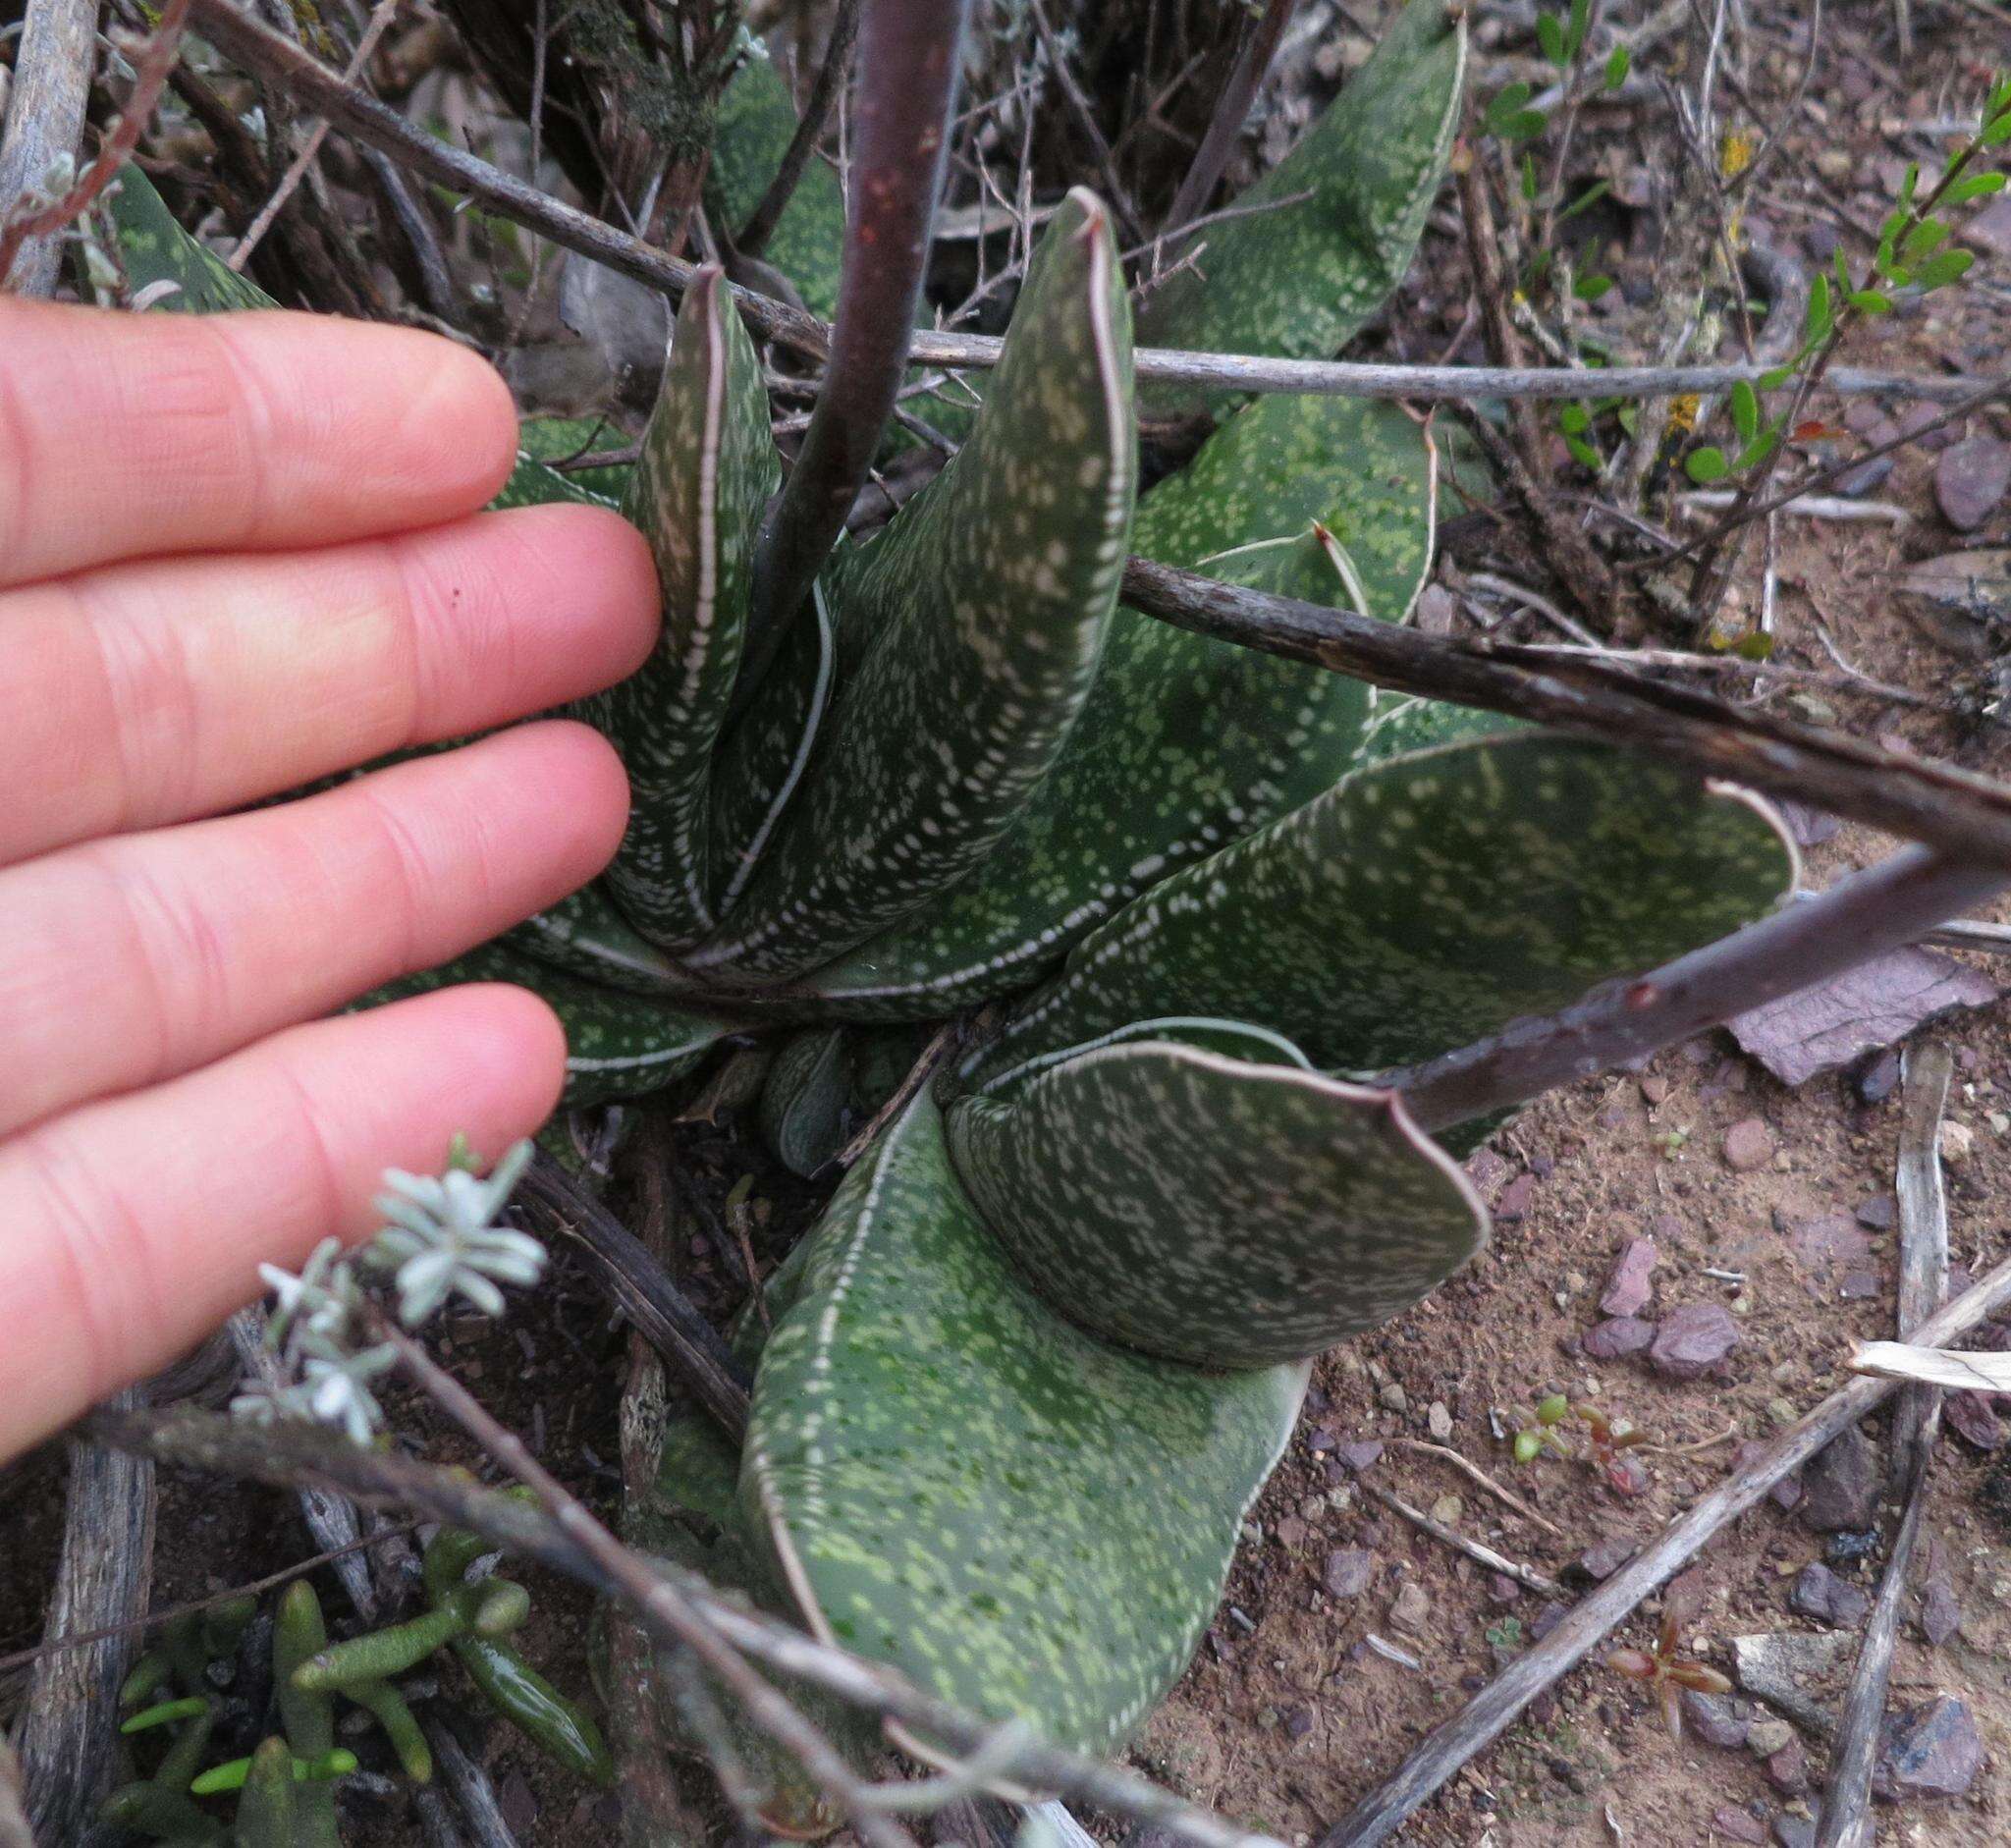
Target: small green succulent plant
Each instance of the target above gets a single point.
(286, 1787)
(1018, 1388)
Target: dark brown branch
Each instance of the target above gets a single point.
(44, 123)
(642, 1289)
(70, 1720)
(1882, 908)
(1965, 815)
(909, 63)
(1231, 111)
(1922, 1283)
(1493, 1710)
(752, 237)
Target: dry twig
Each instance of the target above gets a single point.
(1922, 1283)
(1458, 1542)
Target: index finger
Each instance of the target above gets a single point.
(124, 435)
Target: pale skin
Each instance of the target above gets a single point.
(237, 554)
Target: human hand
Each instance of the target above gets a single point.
(236, 555)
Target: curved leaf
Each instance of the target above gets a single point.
(587, 935)
(1425, 901)
(957, 1481)
(617, 1045)
(707, 470)
(1186, 742)
(1295, 275)
(1204, 1209)
(976, 619)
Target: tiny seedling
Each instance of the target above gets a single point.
(1666, 1672)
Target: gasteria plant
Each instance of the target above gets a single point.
(1017, 1389)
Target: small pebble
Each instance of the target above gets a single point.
(1748, 1145)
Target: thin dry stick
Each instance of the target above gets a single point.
(1494, 1710)
(150, 77)
(1473, 1472)
(44, 123)
(752, 237)
(288, 1454)
(1231, 110)
(1922, 1283)
(380, 20)
(272, 57)
(1458, 1542)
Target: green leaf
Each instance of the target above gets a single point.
(1706, 464)
(1974, 186)
(163, 261)
(1944, 267)
(1298, 279)
(1817, 320)
(1581, 22)
(1772, 381)
(1549, 34)
(617, 1045)
(1590, 288)
(707, 470)
(1584, 453)
(1758, 449)
(1574, 420)
(803, 1100)
(1997, 132)
(1185, 741)
(1745, 411)
(1195, 1205)
(1027, 1521)
(970, 626)
(588, 936)
(1425, 901)
(1507, 103)
(1617, 62)
(756, 122)
(1590, 197)
(1925, 237)
(1869, 301)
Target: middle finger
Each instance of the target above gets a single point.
(127, 961)
(142, 694)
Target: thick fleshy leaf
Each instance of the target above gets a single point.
(803, 1100)
(1186, 742)
(707, 470)
(1207, 1210)
(587, 935)
(1297, 279)
(826, 1084)
(617, 1045)
(957, 1481)
(976, 620)
(173, 270)
(756, 122)
(1425, 901)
